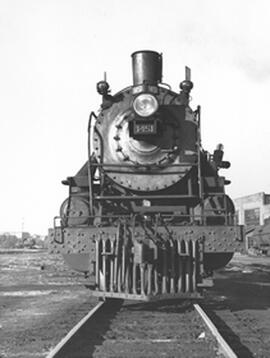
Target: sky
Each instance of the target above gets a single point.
(54, 52)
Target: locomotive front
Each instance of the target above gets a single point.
(148, 130)
(147, 216)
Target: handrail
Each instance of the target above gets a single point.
(162, 216)
(200, 182)
(159, 166)
(89, 164)
(142, 197)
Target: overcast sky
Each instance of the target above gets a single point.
(54, 52)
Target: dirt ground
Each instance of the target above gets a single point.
(240, 301)
(41, 299)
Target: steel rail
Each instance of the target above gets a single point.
(74, 330)
(226, 349)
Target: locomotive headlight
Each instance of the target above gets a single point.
(145, 104)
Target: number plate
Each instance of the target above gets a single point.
(145, 128)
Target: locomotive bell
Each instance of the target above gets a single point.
(146, 67)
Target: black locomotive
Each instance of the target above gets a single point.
(147, 216)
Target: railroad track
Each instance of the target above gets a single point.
(243, 331)
(119, 329)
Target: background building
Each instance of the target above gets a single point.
(252, 210)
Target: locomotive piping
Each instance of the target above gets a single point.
(92, 114)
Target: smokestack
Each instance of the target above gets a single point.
(146, 67)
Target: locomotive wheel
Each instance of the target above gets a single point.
(216, 260)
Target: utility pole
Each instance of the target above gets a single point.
(22, 228)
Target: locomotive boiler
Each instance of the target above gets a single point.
(147, 216)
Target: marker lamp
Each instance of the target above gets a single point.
(145, 105)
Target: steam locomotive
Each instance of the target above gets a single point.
(147, 216)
